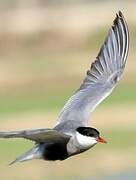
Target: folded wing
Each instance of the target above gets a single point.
(101, 78)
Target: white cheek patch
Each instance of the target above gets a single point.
(85, 141)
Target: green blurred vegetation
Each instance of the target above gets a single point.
(45, 49)
(46, 101)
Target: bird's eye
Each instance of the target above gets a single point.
(87, 133)
(90, 134)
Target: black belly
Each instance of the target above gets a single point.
(55, 151)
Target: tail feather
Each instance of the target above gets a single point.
(33, 153)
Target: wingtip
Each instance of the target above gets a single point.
(13, 162)
(120, 13)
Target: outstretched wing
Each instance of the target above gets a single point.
(38, 135)
(101, 78)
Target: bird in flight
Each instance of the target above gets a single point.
(71, 135)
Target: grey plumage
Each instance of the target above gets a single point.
(33, 153)
(100, 79)
(99, 82)
(41, 137)
(37, 135)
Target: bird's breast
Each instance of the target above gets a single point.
(55, 151)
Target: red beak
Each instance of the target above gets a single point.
(99, 139)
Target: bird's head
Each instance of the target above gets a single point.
(88, 137)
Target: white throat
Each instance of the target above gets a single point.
(85, 141)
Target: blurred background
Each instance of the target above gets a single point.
(46, 46)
